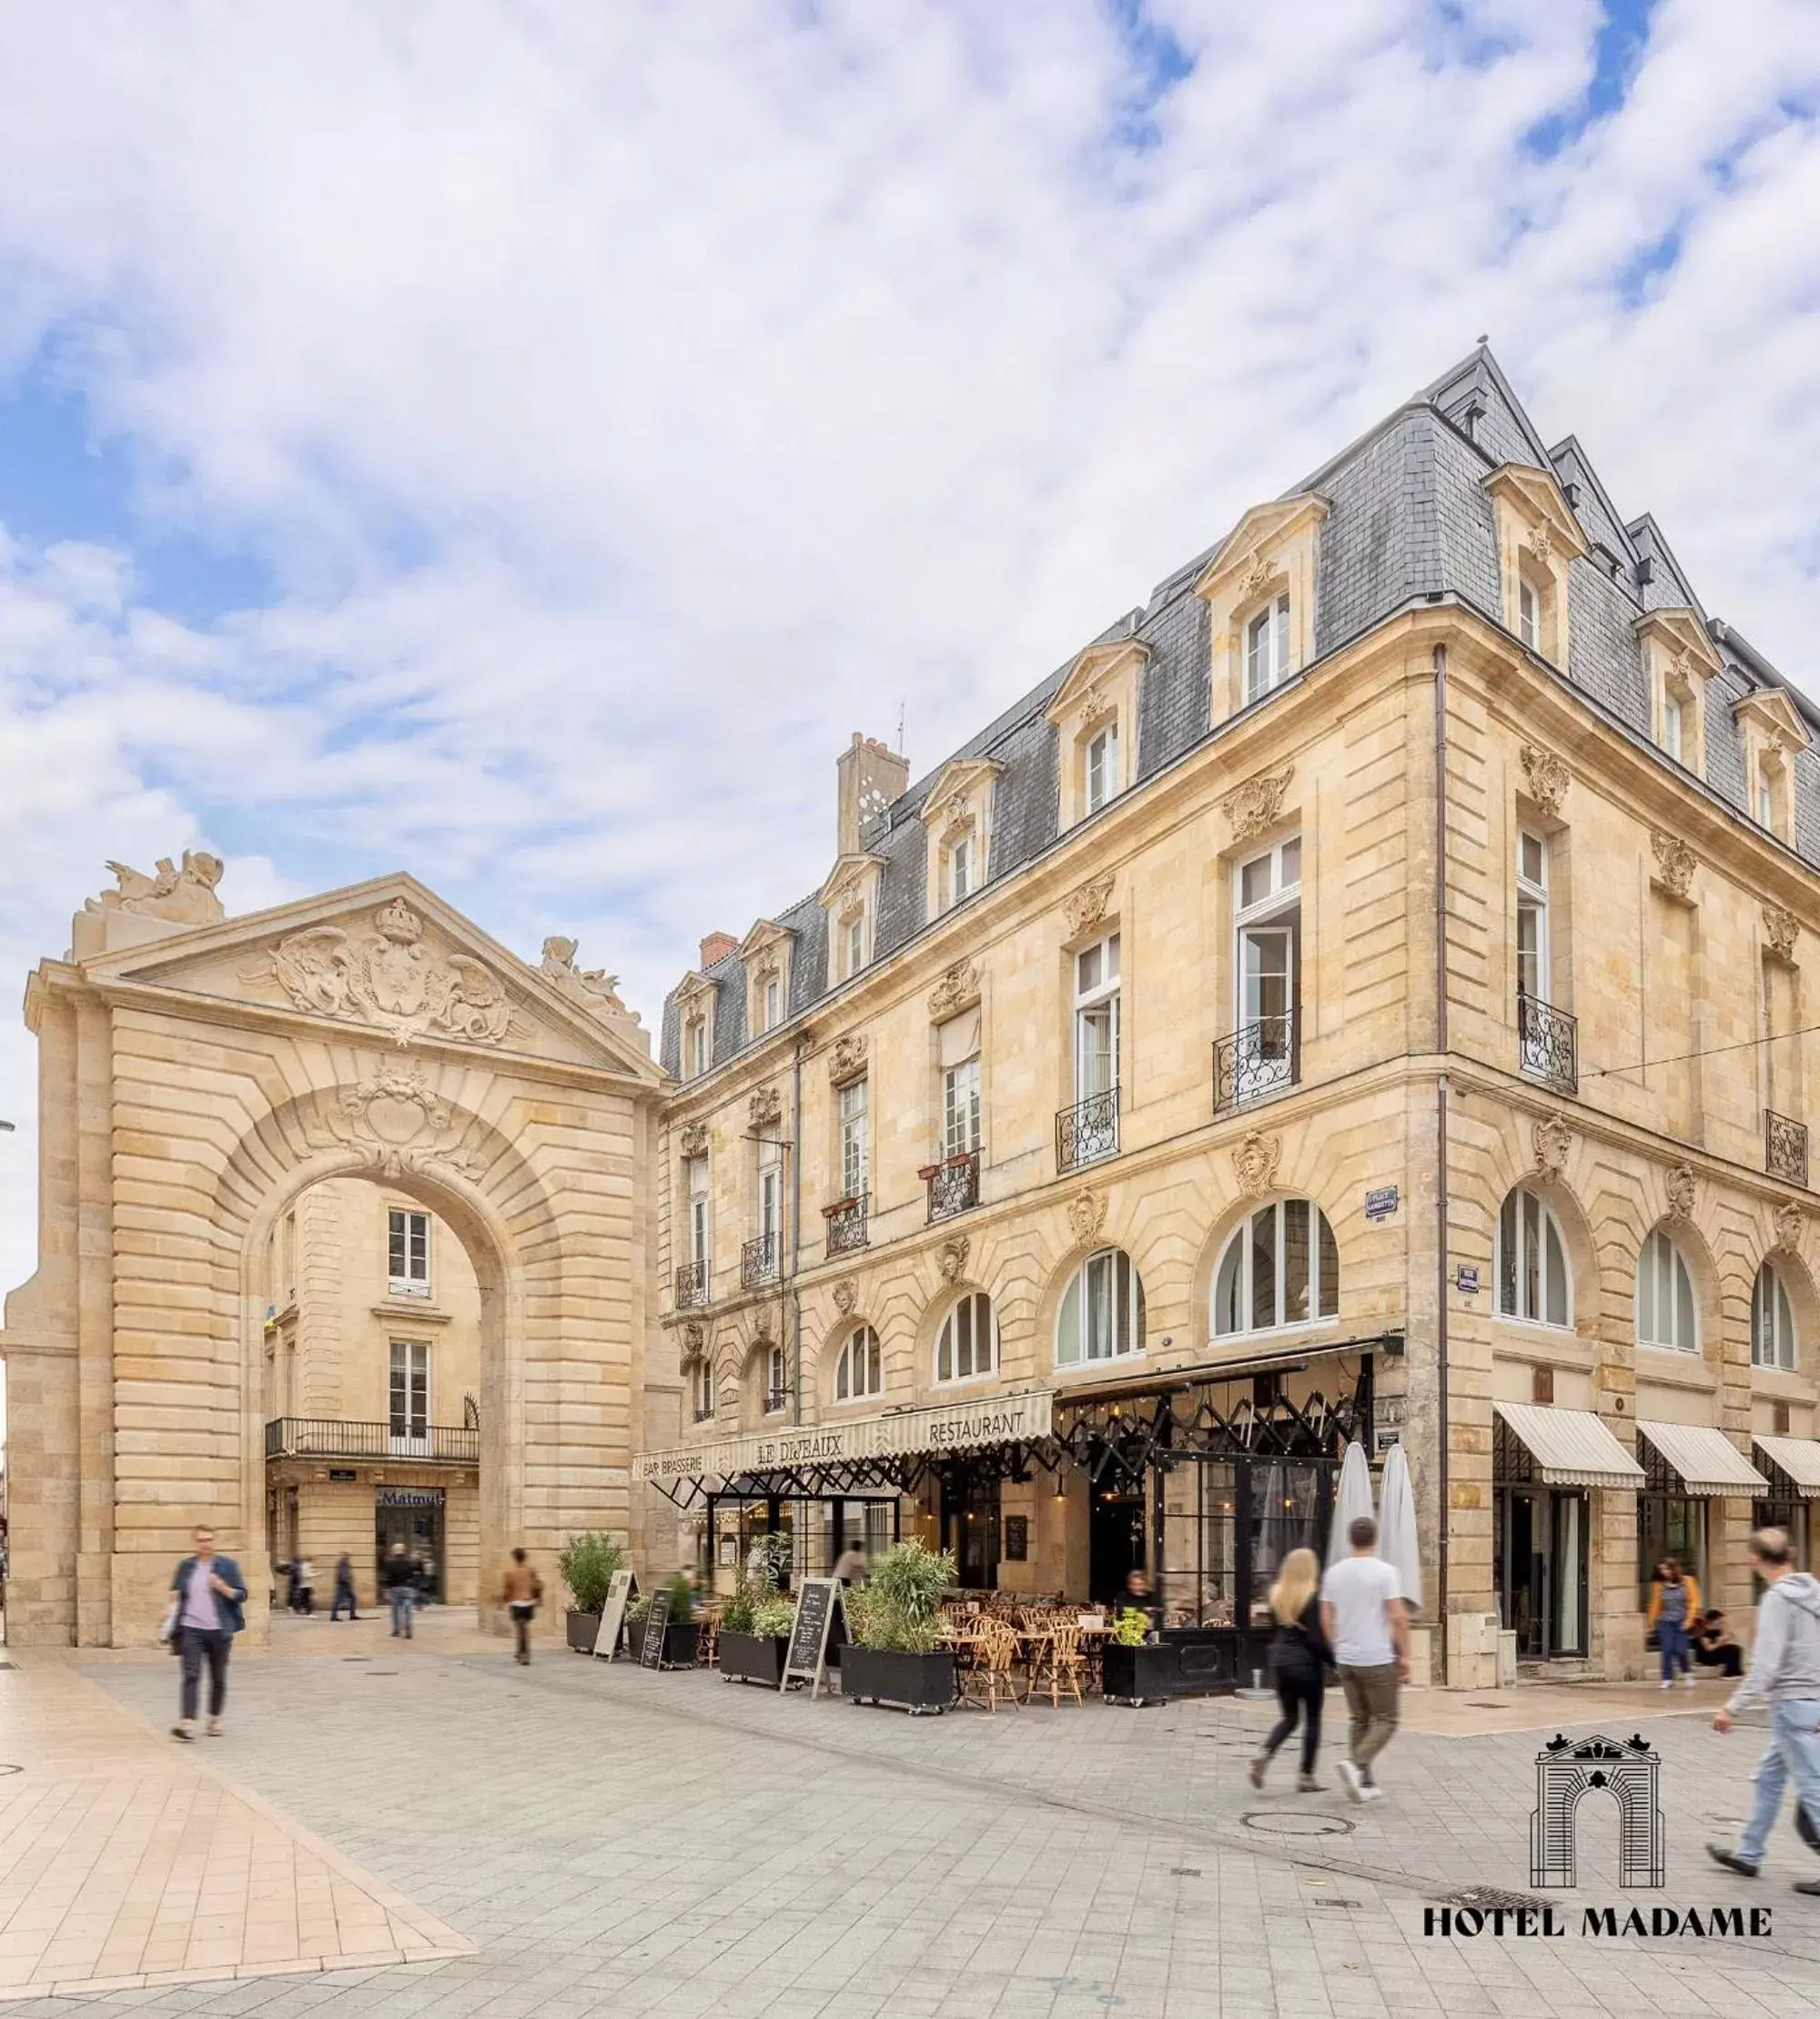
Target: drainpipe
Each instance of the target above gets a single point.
(1441, 1214)
(793, 1311)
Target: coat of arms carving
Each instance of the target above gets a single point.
(846, 1060)
(1784, 929)
(1086, 908)
(397, 1122)
(1675, 863)
(958, 989)
(389, 977)
(1545, 775)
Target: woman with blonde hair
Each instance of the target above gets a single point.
(1299, 1660)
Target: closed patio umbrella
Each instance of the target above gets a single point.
(1397, 1526)
(1352, 1499)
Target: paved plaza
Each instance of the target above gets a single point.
(578, 1838)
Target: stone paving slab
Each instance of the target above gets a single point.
(618, 1842)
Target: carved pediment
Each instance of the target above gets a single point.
(1681, 638)
(849, 883)
(1247, 556)
(955, 791)
(1093, 679)
(1540, 503)
(1777, 715)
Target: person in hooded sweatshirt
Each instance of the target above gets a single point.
(1785, 1673)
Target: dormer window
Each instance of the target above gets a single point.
(849, 902)
(960, 868)
(1102, 779)
(1266, 648)
(1678, 660)
(1539, 539)
(696, 1047)
(855, 943)
(772, 1008)
(1671, 708)
(1095, 715)
(1529, 615)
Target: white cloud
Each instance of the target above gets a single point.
(630, 402)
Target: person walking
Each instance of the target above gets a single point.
(211, 1597)
(521, 1593)
(1299, 1660)
(850, 1565)
(400, 1579)
(1364, 1619)
(1785, 1673)
(344, 1589)
(1673, 1607)
(305, 1585)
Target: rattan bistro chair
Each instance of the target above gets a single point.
(993, 1673)
(1060, 1666)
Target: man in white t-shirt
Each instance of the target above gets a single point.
(1367, 1624)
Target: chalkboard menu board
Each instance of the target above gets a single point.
(612, 1614)
(818, 1609)
(656, 1621)
(1016, 1537)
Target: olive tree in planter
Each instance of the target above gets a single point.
(1136, 1669)
(892, 1621)
(756, 1621)
(589, 1563)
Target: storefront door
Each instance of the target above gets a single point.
(412, 1516)
(1542, 1570)
(1115, 1532)
(970, 1527)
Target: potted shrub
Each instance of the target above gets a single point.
(680, 1630)
(637, 1613)
(893, 1620)
(589, 1563)
(755, 1623)
(1136, 1669)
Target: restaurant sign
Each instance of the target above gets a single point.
(902, 1433)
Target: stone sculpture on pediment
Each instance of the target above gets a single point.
(389, 978)
(185, 896)
(592, 988)
(397, 1122)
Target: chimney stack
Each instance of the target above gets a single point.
(716, 948)
(871, 776)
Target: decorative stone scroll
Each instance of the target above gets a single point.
(1087, 1215)
(1784, 929)
(1258, 803)
(1541, 544)
(1086, 908)
(953, 1258)
(846, 1297)
(1259, 576)
(397, 1123)
(1552, 1139)
(1790, 1224)
(847, 1059)
(692, 1139)
(1681, 1188)
(695, 1340)
(1674, 862)
(1545, 777)
(764, 1110)
(1254, 1163)
(185, 896)
(388, 979)
(958, 990)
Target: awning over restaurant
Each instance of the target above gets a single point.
(1571, 1446)
(1797, 1459)
(1709, 1464)
(1019, 1419)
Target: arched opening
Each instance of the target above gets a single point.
(859, 1366)
(1667, 1311)
(1534, 1282)
(1279, 1268)
(1101, 1314)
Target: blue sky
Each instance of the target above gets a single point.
(521, 445)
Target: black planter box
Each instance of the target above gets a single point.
(1140, 1675)
(582, 1629)
(754, 1658)
(904, 1681)
(679, 1647)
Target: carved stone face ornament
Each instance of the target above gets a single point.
(1254, 1163)
(1552, 1140)
(1545, 776)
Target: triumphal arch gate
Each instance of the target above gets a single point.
(199, 1073)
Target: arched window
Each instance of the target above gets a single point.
(859, 1371)
(967, 1342)
(1281, 1267)
(1665, 1296)
(1102, 1313)
(1532, 1278)
(1772, 1321)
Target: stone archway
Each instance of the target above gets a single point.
(196, 1076)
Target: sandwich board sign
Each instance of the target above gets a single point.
(656, 1625)
(818, 1606)
(614, 1613)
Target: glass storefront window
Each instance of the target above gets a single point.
(1542, 1570)
(1669, 1525)
(1227, 1524)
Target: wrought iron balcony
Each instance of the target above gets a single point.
(692, 1285)
(760, 1260)
(846, 1225)
(704, 1412)
(1258, 1059)
(954, 1187)
(1547, 1043)
(1088, 1131)
(774, 1400)
(1785, 1148)
(309, 1436)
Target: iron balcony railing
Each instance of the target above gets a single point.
(1547, 1043)
(314, 1437)
(1258, 1059)
(954, 1187)
(1088, 1131)
(846, 1226)
(1785, 1148)
(692, 1284)
(760, 1260)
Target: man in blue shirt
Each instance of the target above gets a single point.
(211, 1597)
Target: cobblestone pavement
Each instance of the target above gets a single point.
(624, 1842)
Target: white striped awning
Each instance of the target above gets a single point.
(1710, 1466)
(1798, 1457)
(1571, 1446)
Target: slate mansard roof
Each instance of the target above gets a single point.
(1409, 521)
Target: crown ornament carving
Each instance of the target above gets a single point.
(1258, 803)
(1545, 777)
(958, 990)
(1254, 1163)
(1674, 862)
(1086, 908)
(1784, 930)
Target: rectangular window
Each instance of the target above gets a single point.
(1266, 962)
(1096, 1020)
(1532, 963)
(1266, 648)
(1529, 615)
(698, 1208)
(408, 1267)
(856, 1141)
(1102, 768)
(697, 1060)
(775, 1392)
(770, 1198)
(1671, 726)
(409, 1390)
(960, 1107)
(960, 869)
(855, 944)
